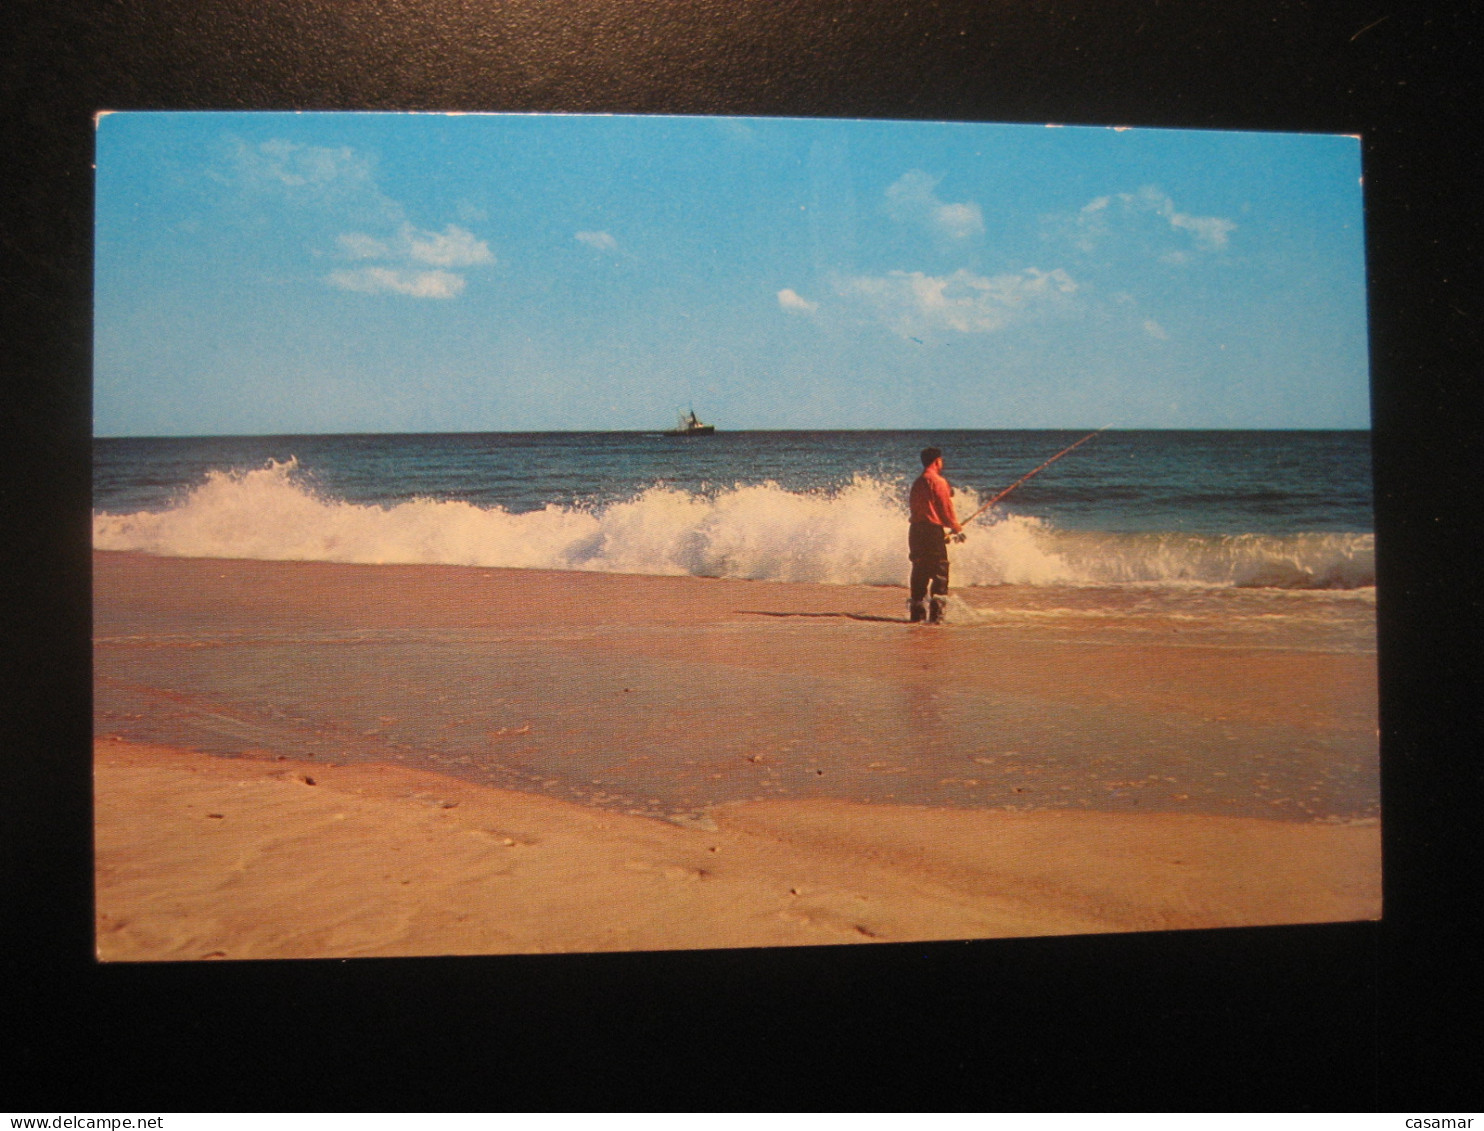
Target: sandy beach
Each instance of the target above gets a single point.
(305, 759)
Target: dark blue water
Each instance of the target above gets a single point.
(1266, 483)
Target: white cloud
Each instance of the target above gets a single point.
(387, 280)
(790, 299)
(912, 303)
(293, 165)
(913, 199)
(453, 247)
(410, 251)
(340, 183)
(598, 241)
(1096, 221)
(312, 177)
(912, 193)
(1155, 330)
(960, 221)
(1210, 231)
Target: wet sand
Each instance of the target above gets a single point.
(516, 761)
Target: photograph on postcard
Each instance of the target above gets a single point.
(562, 533)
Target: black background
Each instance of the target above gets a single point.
(1355, 1017)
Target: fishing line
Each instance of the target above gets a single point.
(1032, 472)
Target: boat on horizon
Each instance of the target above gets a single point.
(690, 425)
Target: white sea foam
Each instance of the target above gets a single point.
(762, 532)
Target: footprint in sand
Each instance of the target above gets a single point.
(827, 921)
(674, 872)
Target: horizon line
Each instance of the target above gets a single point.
(719, 431)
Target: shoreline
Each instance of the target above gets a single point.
(200, 857)
(699, 763)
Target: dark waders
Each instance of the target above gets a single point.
(927, 546)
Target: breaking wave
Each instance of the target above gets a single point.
(853, 535)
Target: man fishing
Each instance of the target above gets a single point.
(932, 519)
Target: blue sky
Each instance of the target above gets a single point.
(297, 273)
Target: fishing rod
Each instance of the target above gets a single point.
(1033, 471)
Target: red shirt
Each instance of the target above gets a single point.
(932, 500)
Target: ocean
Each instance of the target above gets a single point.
(1287, 510)
(1223, 581)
